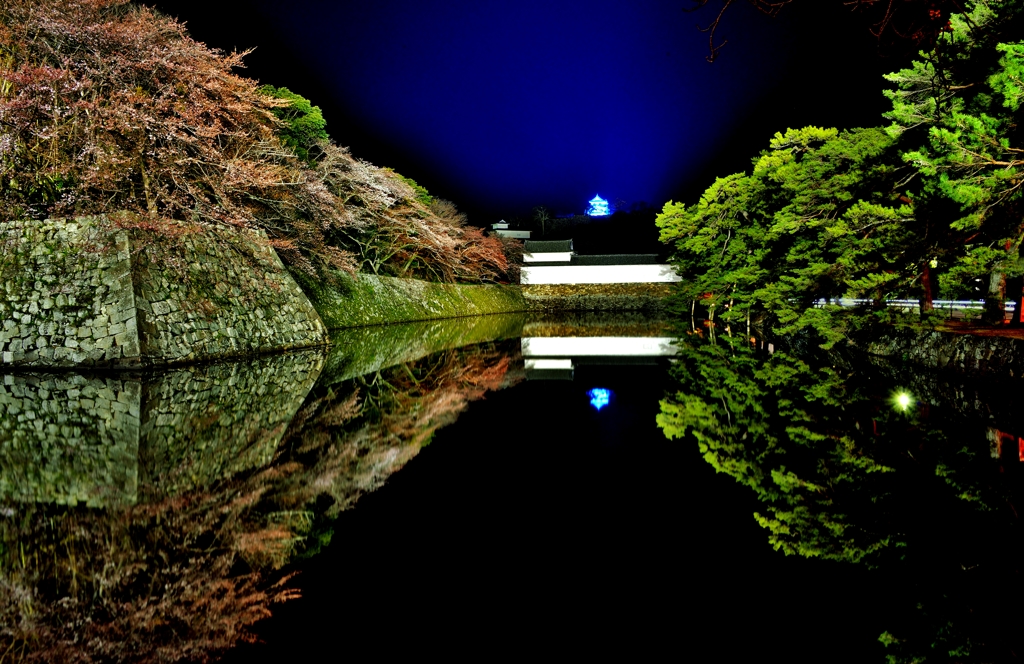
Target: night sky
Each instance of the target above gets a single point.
(502, 106)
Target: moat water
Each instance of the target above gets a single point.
(576, 485)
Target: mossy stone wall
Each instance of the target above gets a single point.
(374, 300)
(87, 292)
(597, 297)
(213, 292)
(66, 296)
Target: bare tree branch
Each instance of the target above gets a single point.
(917, 22)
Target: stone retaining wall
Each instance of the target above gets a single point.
(596, 297)
(217, 292)
(87, 292)
(373, 300)
(66, 297)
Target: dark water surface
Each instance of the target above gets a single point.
(180, 515)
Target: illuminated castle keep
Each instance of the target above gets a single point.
(598, 208)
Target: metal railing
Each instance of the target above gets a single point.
(955, 309)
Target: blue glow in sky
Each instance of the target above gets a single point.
(503, 106)
(599, 397)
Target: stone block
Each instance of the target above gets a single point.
(131, 346)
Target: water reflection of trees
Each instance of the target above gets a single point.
(352, 435)
(184, 571)
(845, 473)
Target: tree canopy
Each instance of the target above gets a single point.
(930, 203)
(812, 221)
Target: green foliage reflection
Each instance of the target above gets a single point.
(791, 433)
(924, 494)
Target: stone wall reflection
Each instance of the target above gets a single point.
(202, 424)
(69, 439)
(102, 441)
(359, 351)
(240, 469)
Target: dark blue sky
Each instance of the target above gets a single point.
(501, 106)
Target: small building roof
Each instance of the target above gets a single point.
(616, 259)
(547, 246)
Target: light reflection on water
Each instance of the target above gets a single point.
(158, 516)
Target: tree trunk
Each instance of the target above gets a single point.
(878, 301)
(1015, 290)
(995, 309)
(927, 289)
(150, 199)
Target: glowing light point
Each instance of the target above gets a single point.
(599, 397)
(598, 208)
(903, 400)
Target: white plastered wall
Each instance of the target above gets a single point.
(598, 274)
